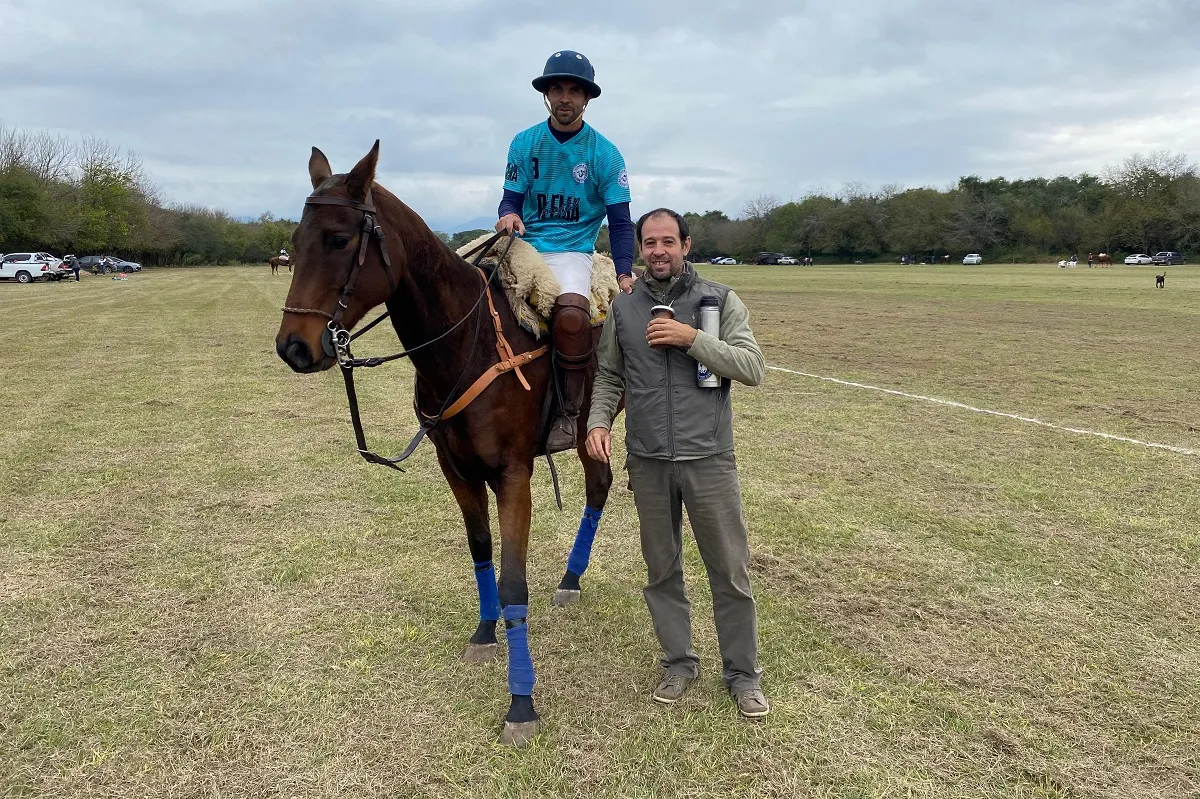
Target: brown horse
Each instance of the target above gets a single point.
(280, 260)
(492, 443)
(1103, 259)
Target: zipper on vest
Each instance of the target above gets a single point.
(670, 407)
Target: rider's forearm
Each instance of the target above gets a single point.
(511, 203)
(620, 237)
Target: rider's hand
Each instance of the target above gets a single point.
(510, 222)
(599, 444)
(625, 282)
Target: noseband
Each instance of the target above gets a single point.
(336, 339)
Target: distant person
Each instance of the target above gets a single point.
(1089, 260)
(679, 448)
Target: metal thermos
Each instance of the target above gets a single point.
(710, 322)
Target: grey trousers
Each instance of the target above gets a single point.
(708, 488)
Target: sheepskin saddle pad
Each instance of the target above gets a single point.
(530, 285)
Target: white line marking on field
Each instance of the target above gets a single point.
(965, 407)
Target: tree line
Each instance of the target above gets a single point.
(89, 197)
(1148, 203)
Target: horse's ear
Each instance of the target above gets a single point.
(363, 175)
(318, 168)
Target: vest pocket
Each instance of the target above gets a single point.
(645, 421)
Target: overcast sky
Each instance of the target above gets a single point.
(710, 102)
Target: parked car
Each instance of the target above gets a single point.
(973, 259)
(26, 267)
(123, 266)
(102, 264)
(789, 260)
(91, 263)
(1138, 259)
(722, 259)
(768, 257)
(1168, 258)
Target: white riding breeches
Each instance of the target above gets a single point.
(572, 270)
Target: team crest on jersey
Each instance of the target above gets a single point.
(623, 179)
(580, 172)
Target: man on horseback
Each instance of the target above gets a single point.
(562, 179)
(283, 256)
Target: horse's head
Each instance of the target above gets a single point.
(325, 247)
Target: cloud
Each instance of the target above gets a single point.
(710, 103)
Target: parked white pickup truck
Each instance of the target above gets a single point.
(26, 267)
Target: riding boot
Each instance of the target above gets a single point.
(572, 333)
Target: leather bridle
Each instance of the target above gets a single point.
(336, 339)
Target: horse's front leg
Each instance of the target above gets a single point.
(597, 480)
(515, 505)
(473, 502)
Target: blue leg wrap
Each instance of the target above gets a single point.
(489, 597)
(581, 553)
(520, 664)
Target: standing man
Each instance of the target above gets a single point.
(562, 178)
(679, 440)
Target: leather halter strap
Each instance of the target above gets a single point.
(340, 338)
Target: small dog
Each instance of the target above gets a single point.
(1160, 281)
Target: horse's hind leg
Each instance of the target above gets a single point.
(472, 501)
(598, 478)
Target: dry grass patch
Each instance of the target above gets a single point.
(204, 592)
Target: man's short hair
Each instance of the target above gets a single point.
(679, 220)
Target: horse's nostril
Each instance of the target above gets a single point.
(295, 353)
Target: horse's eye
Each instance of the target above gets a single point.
(339, 242)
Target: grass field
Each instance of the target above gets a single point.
(204, 592)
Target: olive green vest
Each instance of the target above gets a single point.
(667, 415)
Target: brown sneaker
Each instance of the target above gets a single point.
(752, 704)
(671, 689)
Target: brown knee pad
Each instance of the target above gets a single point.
(572, 330)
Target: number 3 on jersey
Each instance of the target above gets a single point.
(535, 168)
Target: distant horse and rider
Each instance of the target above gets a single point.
(486, 435)
(283, 259)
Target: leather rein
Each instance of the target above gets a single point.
(336, 339)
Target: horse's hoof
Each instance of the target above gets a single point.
(480, 653)
(518, 736)
(564, 597)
